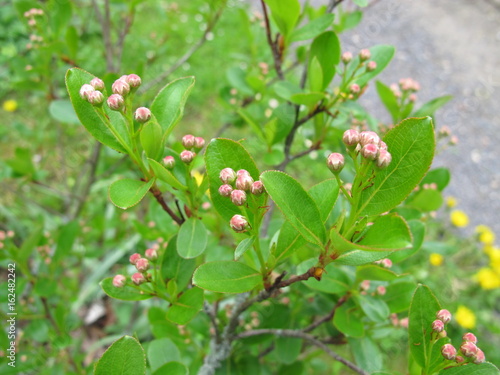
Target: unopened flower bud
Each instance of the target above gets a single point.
(335, 162)
(134, 258)
(459, 359)
(371, 66)
(133, 80)
(142, 265)
(479, 357)
(115, 102)
(97, 84)
(199, 142)
(367, 137)
(365, 285)
(412, 98)
(437, 325)
(142, 114)
(384, 158)
(448, 351)
(96, 98)
(354, 89)
(381, 290)
(346, 57)
(187, 156)
(468, 349)
(227, 176)
(404, 322)
(382, 145)
(364, 54)
(351, 138)
(85, 90)
(442, 334)
(169, 162)
(469, 337)
(369, 151)
(238, 197)
(151, 254)
(242, 172)
(119, 281)
(444, 316)
(239, 223)
(244, 182)
(225, 190)
(188, 141)
(138, 278)
(257, 188)
(120, 87)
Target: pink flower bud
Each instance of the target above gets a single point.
(437, 325)
(365, 285)
(335, 162)
(364, 54)
(97, 84)
(382, 145)
(468, 349)
(85, 90)
(138, 278)
(119, 281)
(469, 337)
(371, 66)
(369, 151)
(225, 190)
(96, 98)
(244, 182)
(115, 102)
(242, 172)
(142, 114)
(367, 137)
(188, 141)
(238, 197)
(412, 98)
(120, 87)
(381, 290)
(346, 57)
(257, 188)
(351, 138)
(227, 176)
(239, 223)
(479, 357)
(404, 322)
(169, 162)
(354, 89)
(151, 254)
(384, 158)
(142, 265)
(133, 80)
(187, 156)
(134, 258)
(448, 351)
(444, 316)
(199, 142)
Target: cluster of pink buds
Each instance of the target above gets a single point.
(35, 41)
(142, 265)
(31, 14)
(236, 185)
(369, 145)
(190, 142)
(386, 262)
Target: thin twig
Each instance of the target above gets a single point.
(274, 45)
(333, 4)
(159, 197)
(212, 314)
(328, 317)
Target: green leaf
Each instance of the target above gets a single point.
(308, 99)
(252, 123)
(127, 193)
(374, 272)
(426, 200)
(22, 162)
(124, 357)
(285, 13)
(162, 351)
(168, 105)
(62, 111)
(348, 320)
(423, 309)
(382, 55)
(288, 349)
(289, 240)
(186, 307)
(65, 240)
(126, 293)
(417, 229)
(75, 79)
(326, 49)
(313, 28)
(439, 176)
(411, 144)
(172, 368)
(398, 296)
(360, 3)
(192, 238)
(243, 246)
(315, 74)
(285, 89)
(151, 138)
(486, 368)
(432, 106)
(388, 99)
(165, 175)
(375, 308)
(366, 353)
(175, 267)
(226, 277)
(296, 204)
(348, 20)
(333, 281)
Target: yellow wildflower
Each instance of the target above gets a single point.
(198, 177)
(459, 218)
(436, 259)
(494, 255)
(488, 279)
(451, 202)
(486, 235)
(465, 317)
(9, 105)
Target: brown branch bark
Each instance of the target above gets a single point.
(159, 197)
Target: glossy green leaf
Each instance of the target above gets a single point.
(289, 240)
(175, 267)
(257, 129)
(127, 193)
(168, 105)
(172, 368)
(398, 296)
(162, 351)
(165, 175)
(62, 110)
(366, 353)
(226, 277)
(287, 349)
(326, 49)
(151, 139)
(285, 89)
(348, 20)
(439, 176)
(382, 55)
(472, 369)
(374, 272)
(65, 240)
(243, 246)
(374, 307)
(426, 200)
(417, 229)
(308, 99)
(313, 28)
(285, 13)
(186, 307)
(192, 238)
(388, 99)
(347, 320)
(296, 204)
(124, 357)
(75, 79)
(411, 144)
(126, 293)
(432, 106)
(333, 281)
(315, 76)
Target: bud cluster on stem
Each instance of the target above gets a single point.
(236, 185)
(142, 266)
